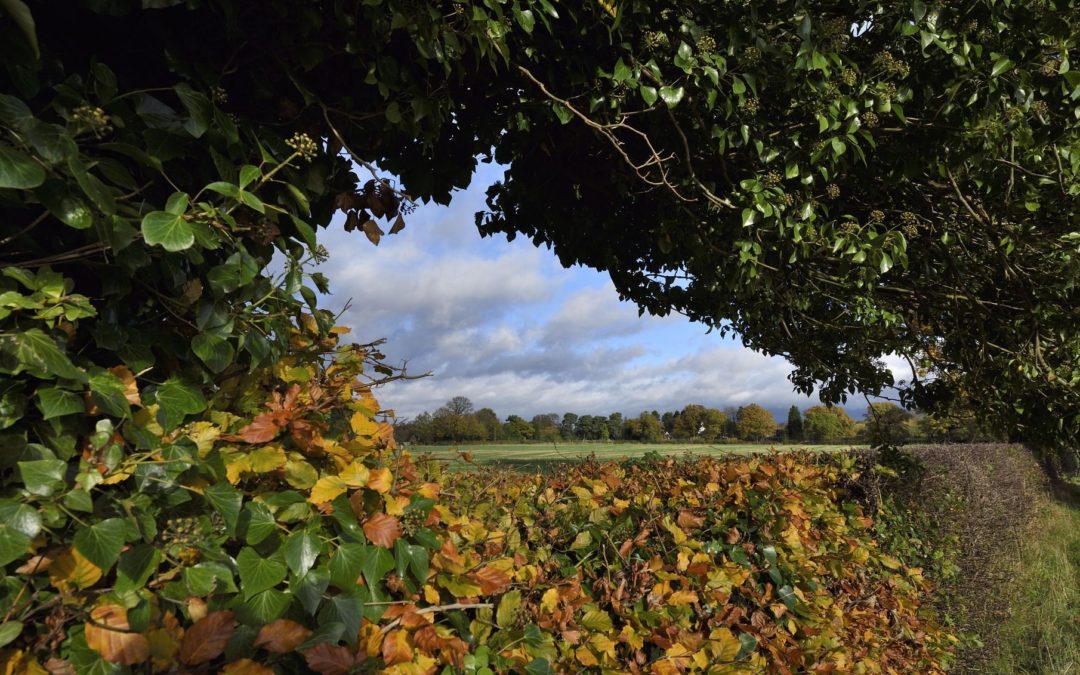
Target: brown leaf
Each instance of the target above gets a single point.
(492, 581)
(281, 636)
(396, 648)
(109, 634)
(352, 221)
(327, 659)
(206, 640)
(246, 667)
(382, 530)
(263, 429)
(373, 231)
(380, 480)
(399, 225)
(688, 521)
(131, 389)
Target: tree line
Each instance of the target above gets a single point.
(883, 423)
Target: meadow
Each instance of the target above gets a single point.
(537, 455)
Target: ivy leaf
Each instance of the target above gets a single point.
(309, 589)
(258, 574)
(1002, 65)
(177, 400)
(13, 544)
(18, 170)
(102, 542)
(648, 94)
(264, 607)
(672, 95)
(38, 354)
(9, 631)
(301, 551)
(215, 352)
(42, 477)
(226, 500)
(256, 523)
(347, 563)
(411, 557)
(109, 393)
(135, 568)
(168, 230)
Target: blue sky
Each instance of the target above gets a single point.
(507, 326)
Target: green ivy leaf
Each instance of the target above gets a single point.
(258, 574)
(226, 500)
(413, 558)
(42, 477)
(168, 230)
(309, 589)
(525, 19)
(21, 518)
(672, 95)
(13, 544)
(262, 608)
(39, 355)
(136, 567)
(248, 175)
(178, 400)
(1002, 65)
(215, 352)
(9, 631)
(648, 94)
(102, 542)
(256, 523)
(347, 563)
(19, 170)
(302, 549)
(109, 393)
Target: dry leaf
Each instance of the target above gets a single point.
(381, 480)
(382, 530)
(327, 659)
(396, 648)
(246, 667)
(109, 634)
(399, 225)
(131, 389)
(206, 640)
(263, 429)
(72, 570)
(281, 636)
(373, 231)
(492, 581)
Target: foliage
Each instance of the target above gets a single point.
(754, 423)
(827, 423)
(645, 427)
(887, 424)
(794, 429)
(698, 422)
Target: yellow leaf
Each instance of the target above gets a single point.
(582, 540)
(381, 480)
(266, 458)
(71, 570)
(431, 596)
(298, 473)
(550, 600)
(363, 425)
(585, 657)
(356, 475)
(723, 645)
(395, 505)
(682, 598)
(236, 465)
(327, 489)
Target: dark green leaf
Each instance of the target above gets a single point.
(101, 542)
(109, 393)
(13, 544)
(9, 631)
(177, 401)
(18, 170)
(309, 589)
(256, 523)
(226, 500)
(263, 607)
(258, 574)
(217, 353)
(136, 567)
(301, 550)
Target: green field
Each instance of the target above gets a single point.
(536, 455)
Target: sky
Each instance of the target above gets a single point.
(504, 324)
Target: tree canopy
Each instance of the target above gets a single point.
(836, 185)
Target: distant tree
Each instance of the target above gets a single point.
(615, 425)
(645, 427)
(827, 423)
(517, 429)
(754, 423)
(794, 424)
(698, 422)
(668, 419)
(459, 405)
(490, 421)
(887, 424)
(545, 427)
(568, 425)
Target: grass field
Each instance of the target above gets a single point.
(536, 455)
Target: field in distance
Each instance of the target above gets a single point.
(535, 455)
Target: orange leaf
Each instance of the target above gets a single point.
(492, 581)
(281, 636)
(381, 480)
(206, 640)
(131, 390)
(108, 634)
(688, 521)
(396, 648)
(246, 667)
(382, 530)
(327, 659)
(263, 429)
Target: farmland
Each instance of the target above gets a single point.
(536, 455)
